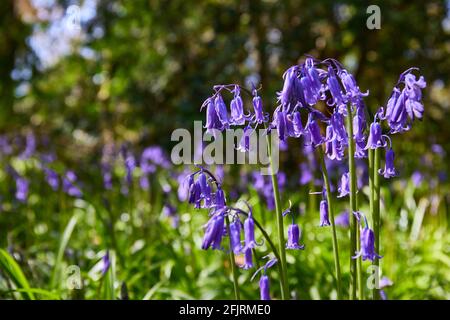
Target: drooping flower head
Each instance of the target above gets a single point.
(212, 118)
(249, 232)
(214, 232)
(389, 170)
(259, 116)
(294, 238)
(289, 95)
(367, 251)
(405, 105)
(237, 116)
(344, 185)
(375, 139)
(264, 279)
(324, 220)
(314, 131)
(264, 287)
(221, 111)
(248, 259)
(235, 236)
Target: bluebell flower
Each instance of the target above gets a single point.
(333, 147)
(293, 238)
(313, 75)
(310, 83)
(195, 194)
(289, 95)
(219, 199)
(344, 185)
(389, 170)
(297, 126)
(324, 220)
(281, 123)
(405, 103)
(221, 111)
(237, 116)
(264, 287)
(335, 89)
(249, 232)
(359, 125)
(375, 139)
(259, 116)
(314, 133)
(360, 149)
(337, 123)
(248, 259)
(413, 88)
(212, 119)
(235, 236)
(367, 240)
(353, 93)
(214, 232)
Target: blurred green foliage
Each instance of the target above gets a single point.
(154, 62)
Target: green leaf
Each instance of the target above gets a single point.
(62, 247)
(14, 272)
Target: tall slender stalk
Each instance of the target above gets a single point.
(353, 223)
(237, 294)
(376, 214)
(280, 228)
(333, 227)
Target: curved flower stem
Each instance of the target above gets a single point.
(333, 227)
(280, 228)
(355, 272)
(233, 265)
(376, 216)
(266, 237)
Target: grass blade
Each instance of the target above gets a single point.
(14, 272)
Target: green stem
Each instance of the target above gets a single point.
(266, 236)
(355, 274)
(333, 227)
(237, 295)
(376, 214)
(280, 228)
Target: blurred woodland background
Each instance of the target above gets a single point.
(136, 70)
